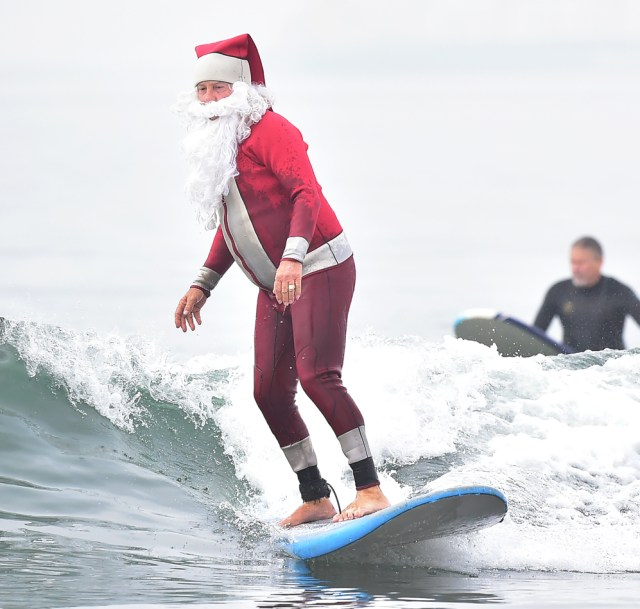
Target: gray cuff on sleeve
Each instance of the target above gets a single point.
(206, 278)
(296, 248)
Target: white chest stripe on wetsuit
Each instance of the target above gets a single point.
(243, 242)
(244, 245)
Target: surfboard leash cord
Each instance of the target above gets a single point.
(333, 490)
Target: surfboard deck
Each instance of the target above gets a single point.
(449, 512)
(511, 337)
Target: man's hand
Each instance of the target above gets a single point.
(288, 284)
(189, 309)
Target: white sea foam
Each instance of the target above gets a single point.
(557, 435)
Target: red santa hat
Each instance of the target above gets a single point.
(232, 60)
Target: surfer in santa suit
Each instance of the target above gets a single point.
(251, 182)
(592, 308)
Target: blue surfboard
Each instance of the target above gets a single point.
(449, 512)
(511, 337)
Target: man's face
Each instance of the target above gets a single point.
(212, 90)
(585, 267)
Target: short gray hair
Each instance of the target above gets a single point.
(589, 243)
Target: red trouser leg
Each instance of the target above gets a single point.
(320, 332)
(306, 342)
(275, 375)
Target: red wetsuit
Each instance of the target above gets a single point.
(275, 210)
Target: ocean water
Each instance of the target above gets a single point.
(130, 479)
(464, 145)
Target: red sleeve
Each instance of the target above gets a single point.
(283, 151)
(219, 258)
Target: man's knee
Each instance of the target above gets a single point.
(313, 381)
(272, 397)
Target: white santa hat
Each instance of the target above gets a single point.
(232, 60)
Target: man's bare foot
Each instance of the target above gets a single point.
(310, 511)
(367, 501)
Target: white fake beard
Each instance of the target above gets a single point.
(211, 146)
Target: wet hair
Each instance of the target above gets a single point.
(589, 243)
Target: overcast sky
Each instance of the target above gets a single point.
(441, 131)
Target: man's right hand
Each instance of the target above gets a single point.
(189, 309)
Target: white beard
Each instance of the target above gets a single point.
(211, 146)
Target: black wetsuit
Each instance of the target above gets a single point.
(592, 318)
